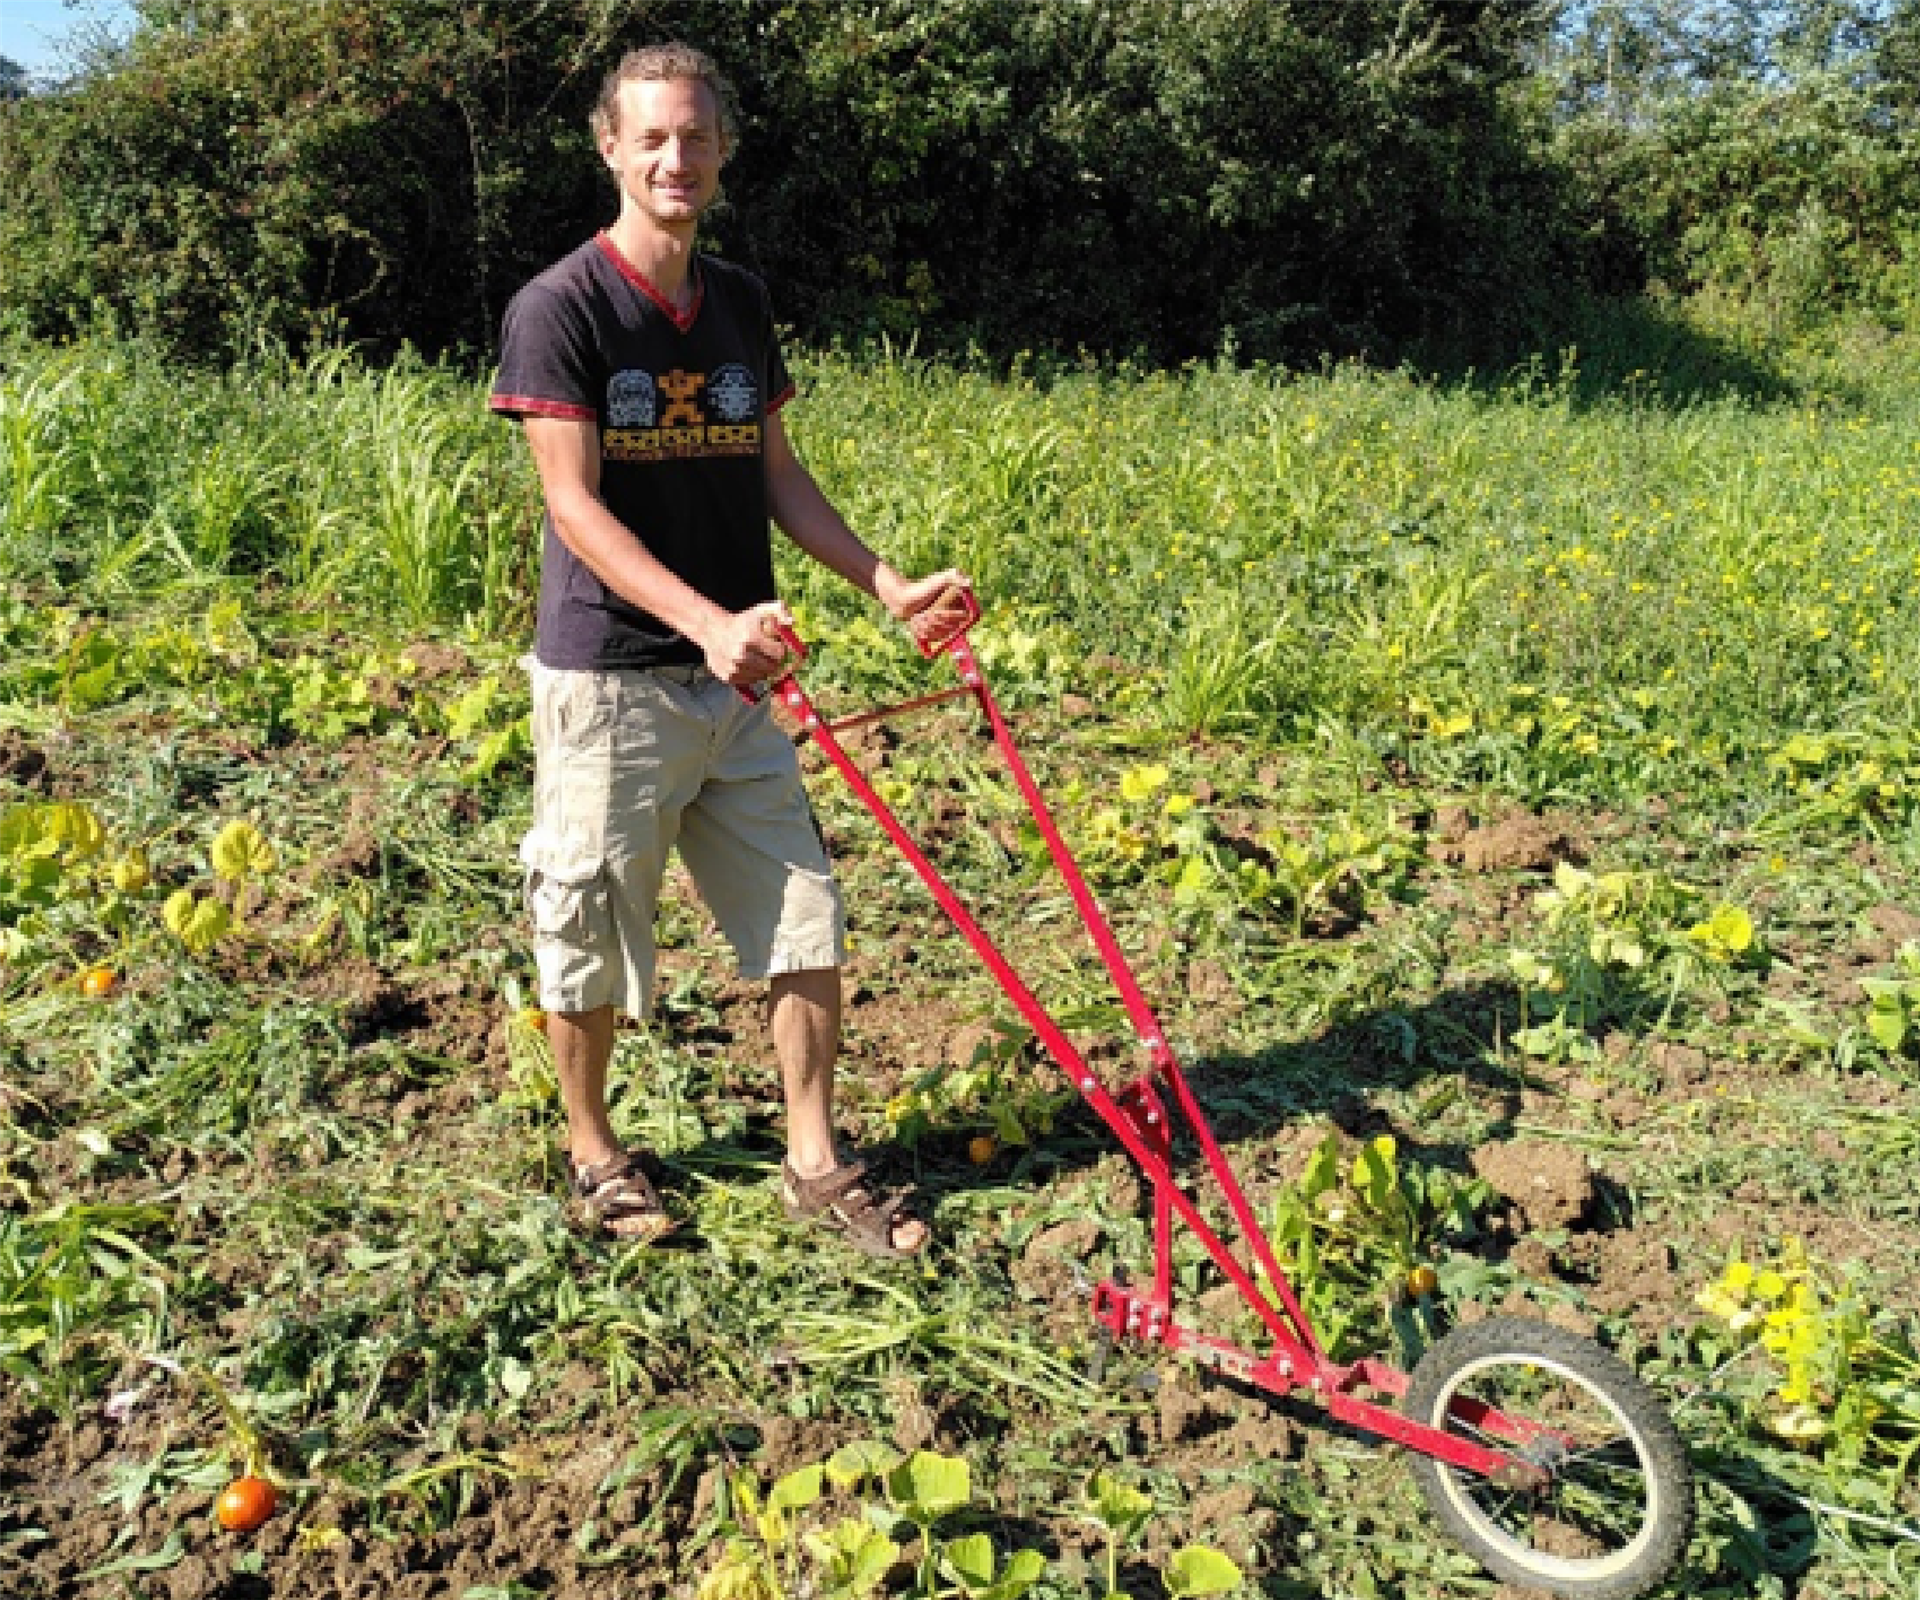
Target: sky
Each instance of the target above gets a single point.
(32, 32)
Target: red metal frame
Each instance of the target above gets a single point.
(1141, 1116)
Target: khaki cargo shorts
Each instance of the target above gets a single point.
(627, 767)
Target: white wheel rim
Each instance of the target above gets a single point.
(1454, 1482)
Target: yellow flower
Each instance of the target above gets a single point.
(1137, 783)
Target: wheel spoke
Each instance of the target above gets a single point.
(1617, 1503)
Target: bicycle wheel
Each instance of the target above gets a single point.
(1614, 1516)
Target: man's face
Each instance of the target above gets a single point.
(665, 151)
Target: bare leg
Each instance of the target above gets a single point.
(582, 1044)
(805, 1012)
(805, 1008)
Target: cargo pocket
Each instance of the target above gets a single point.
(565, 892)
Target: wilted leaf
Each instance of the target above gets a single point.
(853, 1464)
(739, 1575)
(796, 1490)
(63, 828)
(1199, 1570)
(1570, 880)
(1191, 885)
(1375, 1171)
(1888, 1025)
(1115, 1505)
(241, 851)
(467, 715)
(197, 924)
(1732, 927)
(854, 1556)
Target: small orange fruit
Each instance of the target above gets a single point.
(96, 983)
(244, 1504)
(982, 1148)
(533, 1017)
(1422, 1280)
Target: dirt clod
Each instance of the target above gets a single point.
(1519, 841)
(1550, 1185)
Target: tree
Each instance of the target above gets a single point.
(1626, 58)
(1131, 176)
(14, 83)
(1897, 62)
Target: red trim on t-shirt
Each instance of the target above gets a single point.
(640, 281)
(522, 405)
(781, 399)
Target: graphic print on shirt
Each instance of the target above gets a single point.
(678, 414)
(630, 400)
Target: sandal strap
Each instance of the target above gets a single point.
(615, 1169)
(627, 1201)
(814, 1195)
(841, 1200)
(869, 1220)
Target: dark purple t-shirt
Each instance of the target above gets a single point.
(681, 403)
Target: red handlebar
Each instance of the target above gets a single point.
(947, 619)
(933, 629)
(791, 640)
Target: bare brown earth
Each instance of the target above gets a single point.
(1578, 1254)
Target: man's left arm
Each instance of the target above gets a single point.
(809, 519)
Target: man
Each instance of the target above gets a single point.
(649, 382)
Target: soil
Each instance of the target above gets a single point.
(1518, 840)
(1550, 1185)
(22, 762)
(1576, 1249)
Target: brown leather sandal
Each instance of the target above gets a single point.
(617, 1190)
(842, 1201)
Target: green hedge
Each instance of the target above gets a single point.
(1150, 177)
(1798, 205)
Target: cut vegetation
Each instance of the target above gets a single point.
(1507, 796)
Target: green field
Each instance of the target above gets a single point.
(1525, 770)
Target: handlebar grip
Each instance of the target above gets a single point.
(792, 641)
(795, 648)
(947, 619)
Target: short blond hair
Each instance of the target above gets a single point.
(662, 63)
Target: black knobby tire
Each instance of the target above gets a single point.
(1616, 1516)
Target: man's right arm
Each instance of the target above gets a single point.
(741, 648)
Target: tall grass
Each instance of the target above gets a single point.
(1399, 554)
(1273, 552)
(390, 491)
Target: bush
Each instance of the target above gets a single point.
(1132, 176)
(1796, 201)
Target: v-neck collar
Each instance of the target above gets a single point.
(682, 320)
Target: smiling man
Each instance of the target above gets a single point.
(649, 382)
